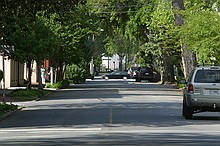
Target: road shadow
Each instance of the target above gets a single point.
(163, 114)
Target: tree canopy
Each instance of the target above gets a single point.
(201, 34)
(140, 31)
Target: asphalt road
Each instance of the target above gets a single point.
(112, 112)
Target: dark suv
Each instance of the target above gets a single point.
(149, 74)
(202, 91)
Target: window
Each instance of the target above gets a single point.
(207, 76)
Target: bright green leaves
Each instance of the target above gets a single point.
(163, 16)
(201, 34)
(163, 34)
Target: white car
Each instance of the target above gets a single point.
(202, 91)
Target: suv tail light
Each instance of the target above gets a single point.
(190, 88)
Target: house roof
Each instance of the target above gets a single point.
(6, 50)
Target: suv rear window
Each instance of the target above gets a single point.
(207, 76)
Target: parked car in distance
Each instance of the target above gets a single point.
(117, 75)
(144, 73)
(202, 91)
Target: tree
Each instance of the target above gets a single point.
(114, 16)
(195, 27)
(71, 29)
(201, 37)
(20, 8)
(163, 40)
(32, 42)
(188, 57)
(21, 27)
(137, 30)
(53, 30)
(118, 44)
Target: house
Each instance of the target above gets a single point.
(13, 70)
(110, 63)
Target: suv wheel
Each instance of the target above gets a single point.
(187, 111)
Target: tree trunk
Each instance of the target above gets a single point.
(63, 72)
(168, 76)
(120, 62)
(40, 85)
(59, 73)
(188, 57)
(188, 60)
(178, 5)
(29, 74)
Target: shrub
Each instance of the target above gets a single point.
(30, 92)
(28, 95)
(59, 85)
(179, 84)
(75, 73)
(7, 107)
(55, 85)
